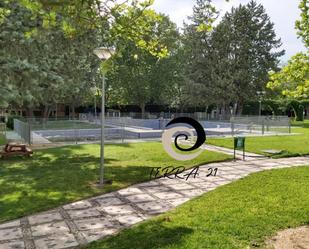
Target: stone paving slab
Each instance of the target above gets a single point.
(50, 228)
(154, 207)
(10, 233)
(93, 235)
(84, 213)
(15, 223)
(56, 241)
(44, 217)
(109, 201)
(13, 245)
(140, 198)
(78, 205)
(128, 220)
(117, 210)
(82, 222)
(93, 224)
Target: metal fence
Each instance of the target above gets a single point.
(23, 130)
(87, 128)
(3, 129)
(261, 124)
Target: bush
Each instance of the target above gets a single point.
(298, 110)
(10, 122)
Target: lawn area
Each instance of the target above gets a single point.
(60, 175)
(63, 125)
(238, 215)
(290, 145)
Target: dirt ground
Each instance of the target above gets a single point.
(293, 238)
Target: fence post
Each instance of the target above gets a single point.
(29, 133)
(75, 131)
(123, 132)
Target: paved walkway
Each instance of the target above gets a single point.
(239, 154)
(84, 221)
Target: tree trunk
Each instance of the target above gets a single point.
(73, 111)
(46, 113)
(239, 108)
(235, 108)
(142, 106)
(29, 112)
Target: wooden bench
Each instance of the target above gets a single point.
(13, 149)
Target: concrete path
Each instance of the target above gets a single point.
(81, 222)
(239, 154)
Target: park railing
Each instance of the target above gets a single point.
(22, 128)
(87, 128)
(3, 129)
(261, 124)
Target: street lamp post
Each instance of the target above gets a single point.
(94, 91)
(260, 96)
(104, 54)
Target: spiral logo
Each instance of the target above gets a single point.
(183, 132)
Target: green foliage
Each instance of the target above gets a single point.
(302, 25)
(275, 107)
(46, 48)
(45, 67)
(293, 79)
(137, 75)
(10, 122)
(113, 19)
(228, 65)
(298, 110)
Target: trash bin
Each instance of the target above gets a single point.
(239, 144)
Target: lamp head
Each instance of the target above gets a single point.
(104, 53)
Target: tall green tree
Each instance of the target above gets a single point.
(233, 60)
(292, 81)
(302, 25)
(197, 87)
(138, 77)
(46, 47)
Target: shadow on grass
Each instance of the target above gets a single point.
(154, 234)
(57, 176)
(49, 179)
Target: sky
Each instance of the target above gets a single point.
(283, 13)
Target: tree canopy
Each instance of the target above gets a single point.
(292, 80)
(231, 62)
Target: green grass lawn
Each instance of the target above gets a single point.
(238, 215)
(60, 175)
(290, 145)
(64, 124)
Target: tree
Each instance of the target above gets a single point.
(197, 84)
(112, 18)
(138, 76)
(293, 79)
(41, 69)
(46, 48)
(232, 61)
(302, 25)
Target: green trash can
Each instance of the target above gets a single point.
(239, 144)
